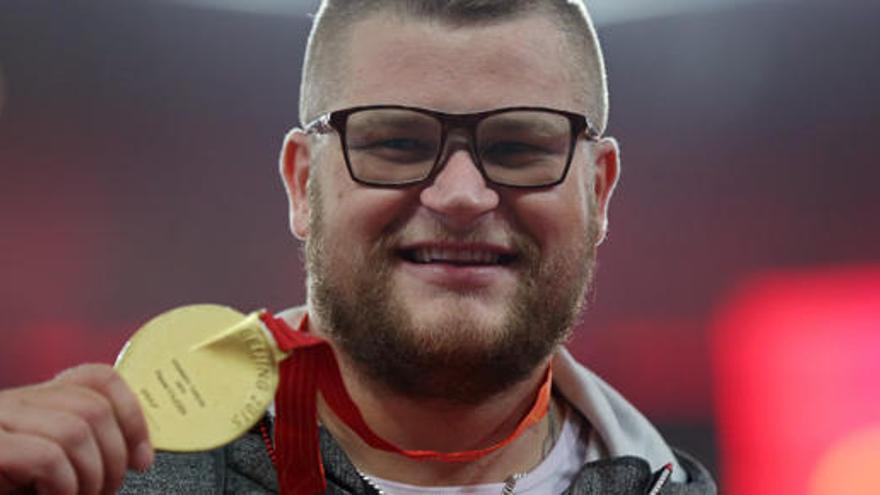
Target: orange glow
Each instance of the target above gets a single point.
(797, 360)
(851, 466)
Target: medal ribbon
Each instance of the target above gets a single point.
(311, 367)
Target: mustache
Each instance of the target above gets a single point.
(435, 230)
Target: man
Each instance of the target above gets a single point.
(451, 186)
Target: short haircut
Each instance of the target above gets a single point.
(321, 74)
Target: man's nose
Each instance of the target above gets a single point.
(458, 193)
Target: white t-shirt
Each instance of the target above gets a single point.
(553, 475)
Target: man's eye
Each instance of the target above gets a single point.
(401, 144)
(401, 150)
(513, 149)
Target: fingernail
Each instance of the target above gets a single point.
(143, 456)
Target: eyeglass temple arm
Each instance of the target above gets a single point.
(321, 125)
(590, 132)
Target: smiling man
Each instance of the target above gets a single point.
(451, 184)
(455, 223)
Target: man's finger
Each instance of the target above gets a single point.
(71, 433)
(27, 460)
(105, 465)
(127, 411)
(6, 485)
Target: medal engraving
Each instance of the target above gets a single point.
(204, 374)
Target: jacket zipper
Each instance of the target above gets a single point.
(661, 479)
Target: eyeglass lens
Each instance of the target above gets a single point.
(399, 146)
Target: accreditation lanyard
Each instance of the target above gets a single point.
(311, 367)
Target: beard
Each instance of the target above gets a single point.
(459, 358)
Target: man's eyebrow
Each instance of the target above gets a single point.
(507, 123)
(398, 120)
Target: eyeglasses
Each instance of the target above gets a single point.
(396, 146)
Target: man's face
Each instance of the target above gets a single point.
(509, 267)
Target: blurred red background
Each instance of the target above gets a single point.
(797, 359)
(138, 148)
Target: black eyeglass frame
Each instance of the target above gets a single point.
(337, 121)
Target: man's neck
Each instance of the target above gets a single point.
(443, 427)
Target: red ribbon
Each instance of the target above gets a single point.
(311, 367)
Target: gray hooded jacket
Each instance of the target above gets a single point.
(625, 454)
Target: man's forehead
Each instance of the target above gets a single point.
(389, 58)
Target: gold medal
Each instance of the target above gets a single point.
(204, 375)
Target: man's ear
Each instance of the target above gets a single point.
(295, 166)
(606, 171)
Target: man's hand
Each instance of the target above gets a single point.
(77, 433)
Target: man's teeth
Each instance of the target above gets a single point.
(455, 256)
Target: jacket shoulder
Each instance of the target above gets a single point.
(699, 482)
(630, 475)
(240, 467)
(200, 472)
